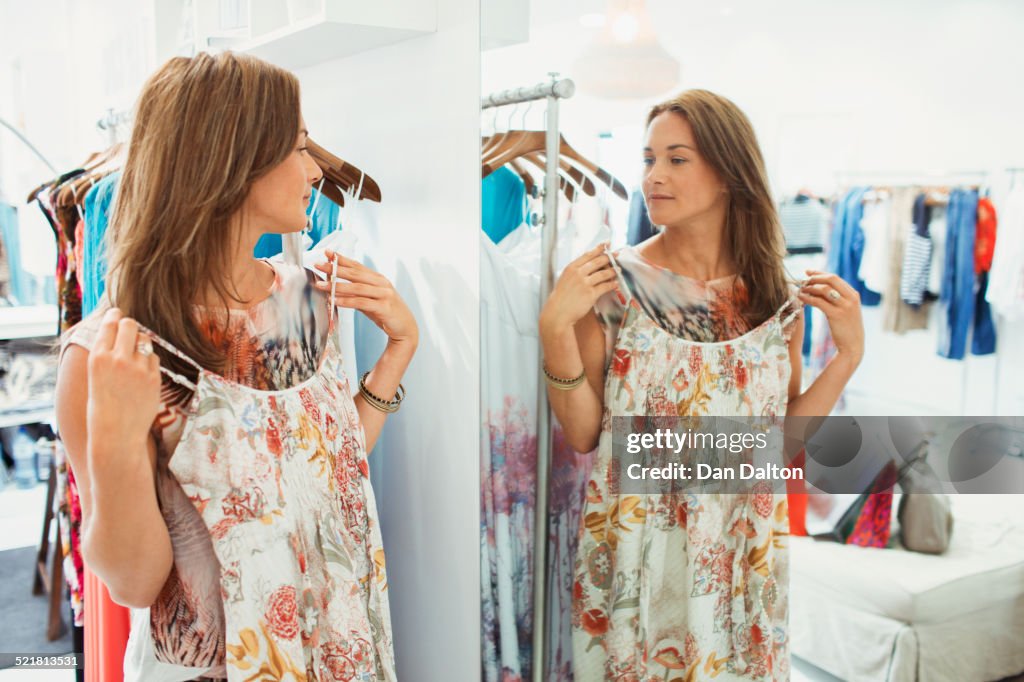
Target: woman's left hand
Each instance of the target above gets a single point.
(370, 292)
(841, 304)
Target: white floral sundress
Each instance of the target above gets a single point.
(281, 480)
(684, 586)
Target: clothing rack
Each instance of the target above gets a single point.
(111, 120)
(909, 178)
(974, 179)
(552, 91)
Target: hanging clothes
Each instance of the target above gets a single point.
(985, 236)
(874, 263)
(277, 346)
(661, 580)
(502, 199)
(959, 293)
(897, 315)
(99, 206)
(804, 222)
(917, 255)
(846, 249)
(509, 306)
(983, 341)
(15, 281)
(1006, 279)
(937, 228)
(63, 221)
(640, 228)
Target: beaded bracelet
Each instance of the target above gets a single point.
(563, 384)
(388, 406)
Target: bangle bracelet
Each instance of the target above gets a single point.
(388, 406)
(563, 384)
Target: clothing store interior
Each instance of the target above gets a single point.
(891, 141)
(878, 122)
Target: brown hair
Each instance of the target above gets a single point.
(205, 128)
(727, 141)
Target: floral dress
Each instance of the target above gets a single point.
(263, 482)
(282, 482)
(684, 586)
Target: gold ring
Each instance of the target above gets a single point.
(144, 348)
(834, 295)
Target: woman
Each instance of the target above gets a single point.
(220, 453)
(698, 320)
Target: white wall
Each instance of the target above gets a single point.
(872, 85)
(407, 115)
(831, 87)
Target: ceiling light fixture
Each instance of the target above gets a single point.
(626, 61)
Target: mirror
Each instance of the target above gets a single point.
(852, 138)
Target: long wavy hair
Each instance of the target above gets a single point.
(205, 128)
(726, 139)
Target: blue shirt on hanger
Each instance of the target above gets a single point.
(502, 197)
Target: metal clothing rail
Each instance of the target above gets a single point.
(552, 92)
(111, 120)
(17, 133)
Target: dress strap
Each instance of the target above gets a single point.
(331, 305)
(166, 345)
(797, 306)
(623, 284)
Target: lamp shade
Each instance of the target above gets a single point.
(626, 61)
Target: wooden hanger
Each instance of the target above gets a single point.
(343, 175)
(581, 180)
(534, 142)
(528, 182)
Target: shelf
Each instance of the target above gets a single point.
(24, 322)
(341, 28)
(42, 415)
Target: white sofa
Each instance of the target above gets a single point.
(871, 615)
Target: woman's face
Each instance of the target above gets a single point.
(679, 185)
(277, 201)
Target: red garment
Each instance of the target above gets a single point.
(875, 520)
(796, 494)
(984, 236)
(106, 633)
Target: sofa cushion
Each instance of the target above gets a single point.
(983, 566)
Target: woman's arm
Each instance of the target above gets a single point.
(573, 344)
(371, 293)
(847, 328)
(567, 352)
(105, 402)
(382, 381)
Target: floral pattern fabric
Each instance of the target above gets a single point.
(282, 483)
(684, 586)
(274, 345)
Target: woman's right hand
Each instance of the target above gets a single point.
(583, 281)
(124, 384)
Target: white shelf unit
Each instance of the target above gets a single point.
(291, 33)
(337, 28)
(26, 322)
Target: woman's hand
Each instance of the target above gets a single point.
(582, 282)
(370, 292)
(841, 304)
(124, 383)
